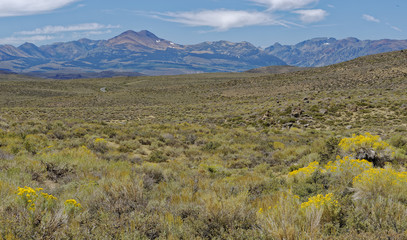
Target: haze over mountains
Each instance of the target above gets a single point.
(133, 53)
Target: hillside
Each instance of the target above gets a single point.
(208, 156)
(78, 75)
(276, 69)
(10, 76)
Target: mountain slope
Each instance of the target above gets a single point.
(145, 53)
(142, 40)
(132, 51)
(326, 51)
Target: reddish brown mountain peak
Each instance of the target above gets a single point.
(143, 39)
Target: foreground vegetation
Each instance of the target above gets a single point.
(317, 154)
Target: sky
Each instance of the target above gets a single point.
(260, 22)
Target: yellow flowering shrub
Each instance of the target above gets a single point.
(72, 206)
(347, 164)
(100, 140)
(34, 198)
(320, 201)
(327, 206)
(369, 147)
(343, 170)
(28, 196)
(366, 141)
(291, 219)
(305, 171)
(385, 182)
(49, 200)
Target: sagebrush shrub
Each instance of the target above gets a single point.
(385, 182)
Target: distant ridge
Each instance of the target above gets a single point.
(6, 71)
(139, 52)
(79, 75)
(319, 52)
(145, 53)
(276, 69)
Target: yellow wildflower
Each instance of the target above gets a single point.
(72, 203)
(348, 164)
(100, 140)
(305, 171)
(366, 141)
(31, 198)
(320, 201)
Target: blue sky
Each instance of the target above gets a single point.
(261, 22)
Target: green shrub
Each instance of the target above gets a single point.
(99, 145)
(157, 157)
(35, 143)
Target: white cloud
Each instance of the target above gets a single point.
(29, 7)
(98, 32)
(312, 15)
(370, 18)
(71, 28)
(396, 28)
(222, 19)
(47, 33)
(86, 34)
(19, 40)
(285, 4)
(225, 19)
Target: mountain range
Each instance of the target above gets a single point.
(135, 53)
(320, 52)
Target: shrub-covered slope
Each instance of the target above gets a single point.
(316, 154)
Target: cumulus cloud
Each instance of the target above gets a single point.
(222, 19)
(29, 7)
(311, 15)
(284, 5)
(370, 18)
(71, 28)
